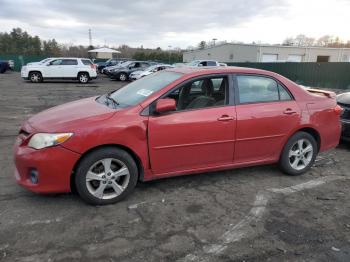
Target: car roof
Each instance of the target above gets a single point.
(218, 70)
(71, 58)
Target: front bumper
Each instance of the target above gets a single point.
(54, 166)
(345, 132)
(24, 75)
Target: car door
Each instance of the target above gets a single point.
(53, 69)
(193, 137)
(266, 114)
(69, 68)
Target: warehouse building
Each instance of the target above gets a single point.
(236, 53)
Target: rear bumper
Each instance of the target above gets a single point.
(345, 131)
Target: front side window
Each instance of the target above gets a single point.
(56, 62)
(255, 89)
(203, 93)
(136, 92)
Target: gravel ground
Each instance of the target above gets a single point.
(250, 214)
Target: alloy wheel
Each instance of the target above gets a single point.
(122, 77)
(107, 178)
(300, 154)
(35, 77)
(83, 78)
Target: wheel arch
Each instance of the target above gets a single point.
(35, 71)
(127, 149)
(82, 72)
(310, 130)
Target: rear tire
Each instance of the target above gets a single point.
(83, 78)
(298, 154)
(106, 176)
(35, 77)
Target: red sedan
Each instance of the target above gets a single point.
(175, 122)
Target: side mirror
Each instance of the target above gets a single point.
(165, 105)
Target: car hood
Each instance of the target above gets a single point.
(344, 98)
(71, 116)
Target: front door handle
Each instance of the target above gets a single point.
(289, 111)
(225, 118)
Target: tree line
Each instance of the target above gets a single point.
(324, 41)
(299, 40)
(19, 42)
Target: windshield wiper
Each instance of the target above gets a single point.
(110, 98)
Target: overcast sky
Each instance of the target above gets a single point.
(179, 23)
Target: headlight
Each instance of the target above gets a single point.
(42, 140)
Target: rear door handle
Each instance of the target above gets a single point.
(225, 118)
(289, 111)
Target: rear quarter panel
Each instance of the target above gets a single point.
(326, 121)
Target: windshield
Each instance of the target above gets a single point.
(44, 60)
(125, 64)
(138, 91)
(193, 63)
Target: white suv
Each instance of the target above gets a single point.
(81, 69)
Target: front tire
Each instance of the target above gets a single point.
(298, 154)
(106, 176)
(123, 77)
(35, 77)
(83, 78)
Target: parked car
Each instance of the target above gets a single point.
(4, 66)
(11, 64)
(110, 62)
(149, 70)
(344, 103)
(199, 63)
(107, 70)
(122, 73)
(174, 122)
(222, 64)
(81, 69)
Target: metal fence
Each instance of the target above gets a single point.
(20, 60)
(326, 75)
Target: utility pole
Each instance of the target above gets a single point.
(169, 52)
(90, 38)
(214, 39)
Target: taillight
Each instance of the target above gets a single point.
(338, 110)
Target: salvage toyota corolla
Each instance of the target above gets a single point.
(175, 122)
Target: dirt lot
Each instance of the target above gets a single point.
(251, 214)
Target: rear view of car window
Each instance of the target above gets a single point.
(69, 62)
(284, 95)
(86, 61)
(253, 89)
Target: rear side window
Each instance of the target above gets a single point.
(255, 89)
(211, 63)
(69, 62)
(86, 61)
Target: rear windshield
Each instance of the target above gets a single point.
(139, 90)
(86, 61)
